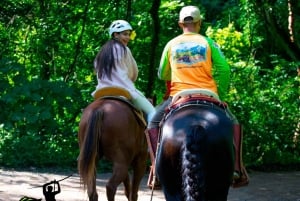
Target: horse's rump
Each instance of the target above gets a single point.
(108, 128)
(195, 159)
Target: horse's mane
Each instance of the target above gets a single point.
(192, 163)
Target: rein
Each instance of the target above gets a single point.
(57, 181)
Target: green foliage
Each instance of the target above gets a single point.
(46, 72)
(265, 101)
(39, 120)
(234, 43)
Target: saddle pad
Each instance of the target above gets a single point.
(112, 91)
(199, 91)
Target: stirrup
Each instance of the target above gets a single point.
(240, 179)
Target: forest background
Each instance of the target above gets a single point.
(47, 50)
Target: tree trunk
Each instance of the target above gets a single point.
(279, 34)
(155, 39)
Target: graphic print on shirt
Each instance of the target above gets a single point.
(188, 54)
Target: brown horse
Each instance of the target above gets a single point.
(110, 129)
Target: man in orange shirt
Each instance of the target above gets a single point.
(192, 61)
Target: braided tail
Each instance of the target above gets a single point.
(192, 163)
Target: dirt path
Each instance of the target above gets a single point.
(276, 186)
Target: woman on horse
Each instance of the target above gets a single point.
(192, 61)
(115, 65)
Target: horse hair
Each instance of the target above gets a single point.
(91, 144)
(193, 151)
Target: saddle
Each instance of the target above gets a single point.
(195, 97)
(112, 91)
(121, 94)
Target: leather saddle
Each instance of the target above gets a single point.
(121, 94)
(194, 97)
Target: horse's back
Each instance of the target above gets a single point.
(198, 138)
(123, 131)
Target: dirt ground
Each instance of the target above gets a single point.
(273, 186)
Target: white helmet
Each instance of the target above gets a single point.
(119, 26)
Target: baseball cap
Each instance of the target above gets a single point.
(189, 11)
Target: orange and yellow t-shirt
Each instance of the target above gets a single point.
(193, 61)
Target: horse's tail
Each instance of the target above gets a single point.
(192, 163)
(89, 147)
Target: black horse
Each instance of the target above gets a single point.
(195, 160)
